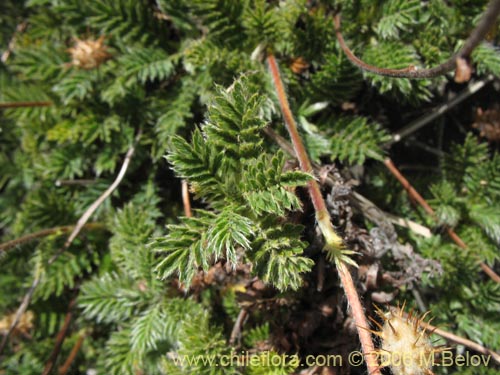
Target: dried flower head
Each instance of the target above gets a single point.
(89, 53)
(406, 348)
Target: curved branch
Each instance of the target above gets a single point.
(477, 35)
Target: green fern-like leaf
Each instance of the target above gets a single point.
(131, 20)
(262, 22)
(198, 241)
(174, 115)
(200, 347)
(277, 255)
(235, 119)
(267, 189)
(488, 219)
(182, 249)
(111, 298)
(222, 17)
(199, 164)
(487, 59)
(446, 203)
(119, 358)
(132, 228)
(484, 179)
(78, 85)
(336, 81)
(43, 63)
(146, 65)
(398, 15)
(229, 231)
(355, 139)
(63, 272)
(463, 159)
(148, 329)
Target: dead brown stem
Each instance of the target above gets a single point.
(43, 233)
(236, 332)
(423, 203)
(477, 35)
(24, 104)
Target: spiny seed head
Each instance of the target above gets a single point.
(89, 53)
(406, 347)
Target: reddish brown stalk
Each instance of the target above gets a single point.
(305, 164)
(185, 199)
(63, 370)
(423, 203)
(332, 240)
(477, 35)
(60, 339)
(24, 104)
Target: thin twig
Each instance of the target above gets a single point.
(460, 340)
(19, 29)
(94, 206)
(423, 203)
(78, 227)
(477, 35)
(81, 182)
(185, 199)
(25, 104)
(236, 332)
(60, 339)
(439, 111)
(63, 370)
(45, 232)
(332, 240)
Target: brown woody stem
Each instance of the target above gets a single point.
(25, 104)
(477, 35)
(332, 240)
(423, 203)
(43, 233)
